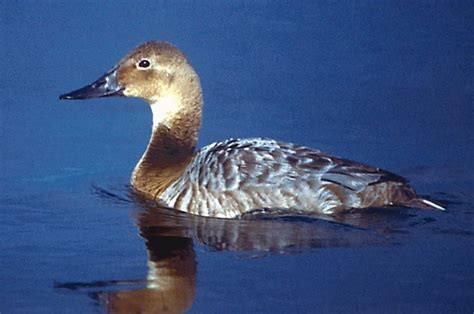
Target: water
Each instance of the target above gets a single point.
(387, 84)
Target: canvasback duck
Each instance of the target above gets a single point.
(237, 176)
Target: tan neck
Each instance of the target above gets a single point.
(176, 122)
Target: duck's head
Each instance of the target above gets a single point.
(149, 71)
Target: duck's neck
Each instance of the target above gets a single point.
(176, 123)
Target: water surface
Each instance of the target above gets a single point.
(389, 84)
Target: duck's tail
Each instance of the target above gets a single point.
(395, 193)
(423, 203)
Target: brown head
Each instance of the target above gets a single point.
(151, 71)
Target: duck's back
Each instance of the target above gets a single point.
(229, 178)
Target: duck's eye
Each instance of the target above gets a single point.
(144, 64)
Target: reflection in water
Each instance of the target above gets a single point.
(257, 234)
(170, 285)
(170, 237)
(172, 263)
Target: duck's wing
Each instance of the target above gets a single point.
(237, 163)
(353, 175)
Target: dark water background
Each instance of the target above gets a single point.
(388, 83)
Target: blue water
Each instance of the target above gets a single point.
(386, 83)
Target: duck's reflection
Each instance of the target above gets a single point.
(172, 266)
(170, 237)
(171, 280)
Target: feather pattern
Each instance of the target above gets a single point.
(227, 179)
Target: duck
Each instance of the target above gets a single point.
(234, 177)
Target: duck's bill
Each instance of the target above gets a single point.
(105, 86)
